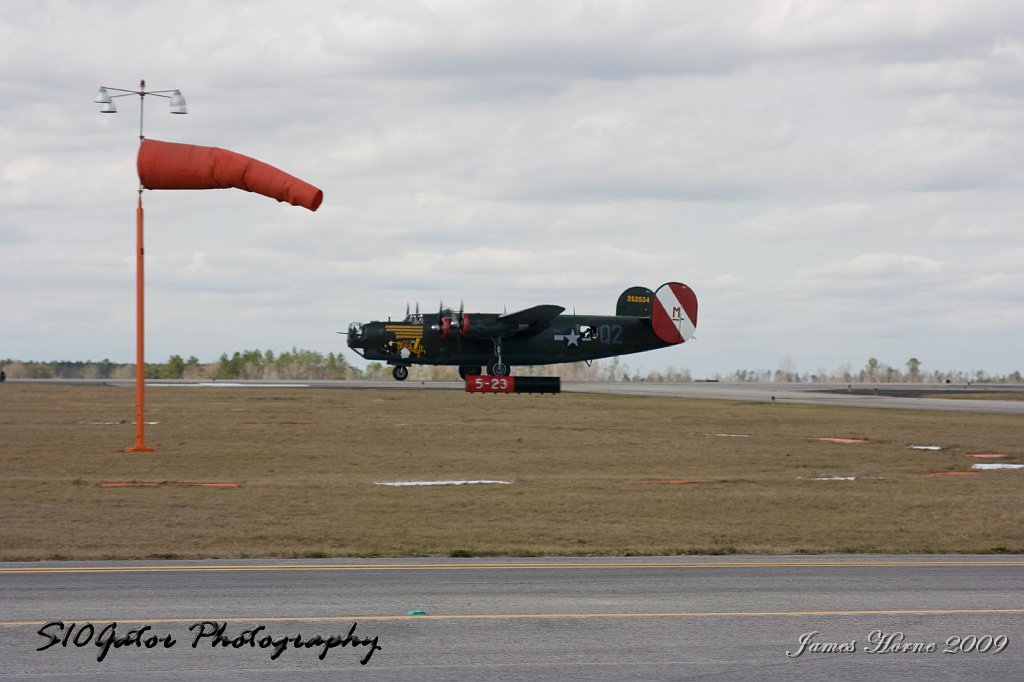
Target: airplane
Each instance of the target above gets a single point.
(644, 320)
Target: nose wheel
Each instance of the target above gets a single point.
(400, 372)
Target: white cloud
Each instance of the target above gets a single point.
(832, 178)
(875, 264)
(805, 221)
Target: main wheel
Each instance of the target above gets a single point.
(400, 372)
(498, 369)
(466, 371)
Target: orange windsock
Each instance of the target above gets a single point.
(169, 165)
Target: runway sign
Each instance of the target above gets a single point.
(485, 384)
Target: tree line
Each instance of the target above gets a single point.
(248, 364)
(298, 364)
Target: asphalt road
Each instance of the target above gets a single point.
(672, 618)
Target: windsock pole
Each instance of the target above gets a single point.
(140, 338)
(140, 309)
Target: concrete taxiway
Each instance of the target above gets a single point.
(847, 617)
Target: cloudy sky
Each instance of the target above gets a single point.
(836, 179)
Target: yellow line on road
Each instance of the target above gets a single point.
(503, 566)
(529, 616)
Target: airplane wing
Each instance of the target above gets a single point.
(538, 314)
(528, 321)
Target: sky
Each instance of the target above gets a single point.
(837, 180)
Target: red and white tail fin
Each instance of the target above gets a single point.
(674, 316)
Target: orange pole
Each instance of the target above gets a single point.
(140, 352)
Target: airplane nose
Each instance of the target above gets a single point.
(356, 335)
(371, 336)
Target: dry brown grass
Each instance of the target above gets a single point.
(308, 460)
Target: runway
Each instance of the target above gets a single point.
(881, 396)
(650, 618)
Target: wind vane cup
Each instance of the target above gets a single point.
(169, 165)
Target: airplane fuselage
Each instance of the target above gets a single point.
(568, 338)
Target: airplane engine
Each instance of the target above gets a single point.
(448, 322)
(464, 327)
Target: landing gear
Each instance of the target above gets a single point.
(498, 369)
(466, 371)
(400, 372)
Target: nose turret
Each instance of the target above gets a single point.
(365, 336)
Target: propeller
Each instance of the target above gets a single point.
(448, 319)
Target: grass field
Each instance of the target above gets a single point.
(589, 475)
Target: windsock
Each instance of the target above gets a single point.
(169, 165)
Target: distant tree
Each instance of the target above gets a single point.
(174, 368)
(39, 370)
(193, 369)
(870, 372)
(786, 371)
(374, 370)
(229, 368)
(336, 367)
(297, 364)
(913, 370)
